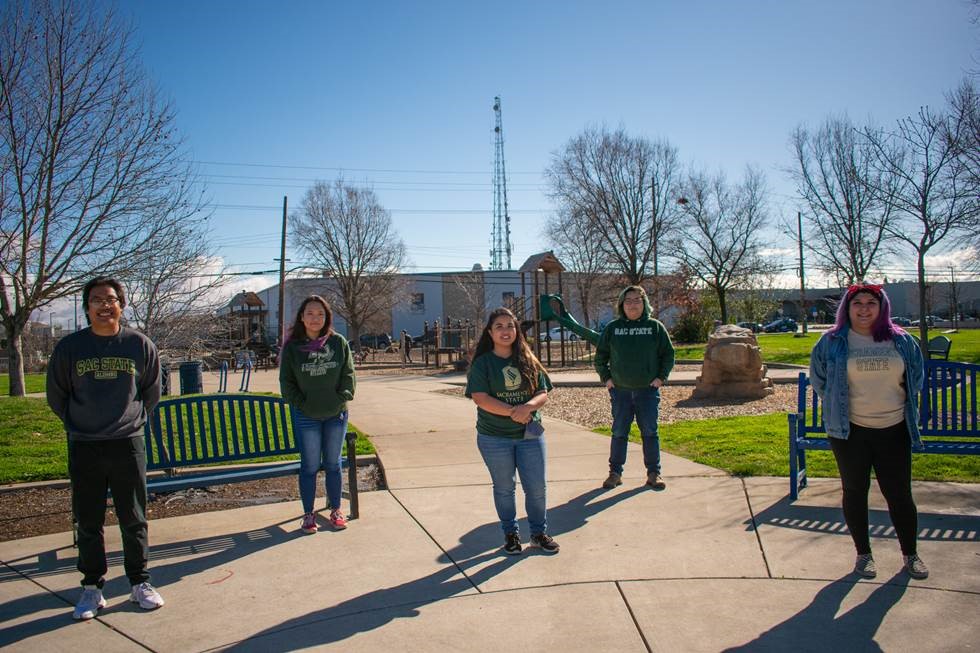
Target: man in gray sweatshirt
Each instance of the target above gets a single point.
(103, 382)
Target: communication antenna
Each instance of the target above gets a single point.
(500, 233)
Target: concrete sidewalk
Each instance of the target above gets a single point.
(711, 563)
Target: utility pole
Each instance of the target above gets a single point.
(654, 234)
(280, 335)
(954, 303)
(799, 230)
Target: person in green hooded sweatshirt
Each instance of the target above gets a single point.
(316, 377)
(634, 358)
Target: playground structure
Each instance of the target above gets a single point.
(539, 305)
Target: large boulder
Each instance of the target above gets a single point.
(733, 366)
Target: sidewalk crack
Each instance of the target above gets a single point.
(755, 528)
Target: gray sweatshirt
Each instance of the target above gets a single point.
(103, 387)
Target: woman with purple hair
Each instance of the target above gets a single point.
(316, 377)
(867, 372)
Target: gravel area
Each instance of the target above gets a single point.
(26, 512)
(590, 408)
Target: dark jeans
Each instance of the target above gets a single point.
(119, 466)
(889, 452)
(644, 405)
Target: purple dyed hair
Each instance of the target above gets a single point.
(882, 329)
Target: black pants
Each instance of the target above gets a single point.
(119, 466)
(889, 452)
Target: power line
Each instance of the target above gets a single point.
(340, 169)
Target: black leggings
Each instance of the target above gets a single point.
(889, 452)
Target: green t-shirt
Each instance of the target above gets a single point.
(501, 379)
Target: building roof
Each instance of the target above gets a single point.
(547, 262)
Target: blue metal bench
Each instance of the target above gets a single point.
(947, 418)
(204, 430)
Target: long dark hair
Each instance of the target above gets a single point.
(883, 327)
(524, 358)
(298, 331)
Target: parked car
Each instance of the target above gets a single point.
(930, 321)
(376, 341)
(782, 325)
(754, 327)
(554, 333)
(902, 321)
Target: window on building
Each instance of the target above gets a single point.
(418, 302)
(507, 300)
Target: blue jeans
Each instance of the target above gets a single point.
(320, 442)
(644, 405)
(504, 456)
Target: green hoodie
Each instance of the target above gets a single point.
(319, 383)
(634, 352)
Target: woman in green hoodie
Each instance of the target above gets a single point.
(316, 377)
(634, 358)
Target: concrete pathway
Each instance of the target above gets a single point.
(711, 563)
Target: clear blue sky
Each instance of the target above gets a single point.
(398, 95)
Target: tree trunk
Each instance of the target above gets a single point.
(15, 359)
(723, 304)
(923, 323)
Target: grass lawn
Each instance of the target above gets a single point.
(790, 348)
(33, 383)
(758, 446)
(33, 442)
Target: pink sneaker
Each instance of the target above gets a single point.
(337, 519)
(309, 523)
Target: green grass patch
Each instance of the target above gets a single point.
(32, 383)
(795, 348)
(33, 444)
(759, 446)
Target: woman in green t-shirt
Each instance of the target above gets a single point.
(508, 384)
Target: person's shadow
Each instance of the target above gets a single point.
(465, 569)
(218, 550)
(818, 628)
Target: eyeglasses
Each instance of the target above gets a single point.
(103, 301)
(873, 288)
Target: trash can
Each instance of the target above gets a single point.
(164, 379)
(191, 377)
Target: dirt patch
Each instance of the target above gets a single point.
(42, 510)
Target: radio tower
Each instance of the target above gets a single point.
(500, 234)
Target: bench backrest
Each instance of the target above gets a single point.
(939, 347)
(205, 429)
(947, 402)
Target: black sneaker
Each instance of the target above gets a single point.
(544, 542)
(512, 544)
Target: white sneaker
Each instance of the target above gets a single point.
(147, 597)
(89, 603)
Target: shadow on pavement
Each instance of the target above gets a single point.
(220, 550)
(932, 526)
(465, 570)
(817, 627)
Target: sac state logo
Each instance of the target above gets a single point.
(512, 378)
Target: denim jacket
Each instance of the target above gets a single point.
(828, 376)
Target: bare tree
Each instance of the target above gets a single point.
(626, 188)
(963, 132)
(934, 198)
(87, 151)
(575, 241)
(174, 290)
(847, 222)
(345, 231)
(469, 293)
(720, 236)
